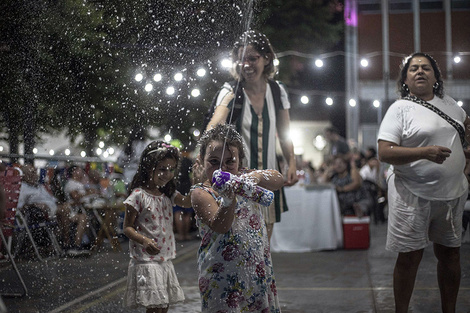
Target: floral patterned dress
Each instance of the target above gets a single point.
(235, 268)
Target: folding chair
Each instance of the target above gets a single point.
(25, 229)
(11, 182)
(29, 223)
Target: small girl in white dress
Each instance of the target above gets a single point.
(151, 279)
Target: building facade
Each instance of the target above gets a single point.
(379, 33)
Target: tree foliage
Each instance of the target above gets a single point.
(309, 26)
(69, 65)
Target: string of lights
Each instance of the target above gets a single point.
(320, 60)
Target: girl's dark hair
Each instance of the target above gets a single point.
(261, 44)
(155, 152)
(225, 133)
(438, 89)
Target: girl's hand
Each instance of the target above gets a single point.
(198, 172)
(227, 193)
(151, 247)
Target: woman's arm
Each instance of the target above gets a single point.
(221, 112)
(149, 245)
(218, 218)
(269, 179)
(356, 180)
(390, 152)
(287, 147)
(327, 174)
(219, 117)
(183, 201)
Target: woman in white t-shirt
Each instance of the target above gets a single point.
(427, 188)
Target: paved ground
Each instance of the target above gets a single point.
(327, 281)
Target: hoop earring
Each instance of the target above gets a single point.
(405, 88)
(435, 87)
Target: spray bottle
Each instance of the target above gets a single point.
(224, 180)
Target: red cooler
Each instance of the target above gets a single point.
(356, 232)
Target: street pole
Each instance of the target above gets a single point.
(449, 57)
(385, 59)
(352, 116)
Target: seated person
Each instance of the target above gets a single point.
(35, 202)
(374, 181)
(73, 212)
(93, 185)
(118, 189)
(34, 199)
(95, 197)
(118, 193)
(353, 199)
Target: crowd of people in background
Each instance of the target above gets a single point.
(358, 177)
(70, 198)
(64, 199)
(70, 193)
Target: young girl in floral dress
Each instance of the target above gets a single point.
(234, 260)
(148, 223)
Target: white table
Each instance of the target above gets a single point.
(313, 222)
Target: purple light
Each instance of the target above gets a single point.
(350, 13)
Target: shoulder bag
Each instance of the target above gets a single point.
(451, 121)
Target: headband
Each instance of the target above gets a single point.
(164, 146)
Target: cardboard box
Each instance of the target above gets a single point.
(356, 232)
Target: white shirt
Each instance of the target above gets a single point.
(36, 194)
(410, 124)
(73, 185)
(368, 173)
(259, 131)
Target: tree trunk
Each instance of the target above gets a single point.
(90, 138)
(13, 131)
(29, 131)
